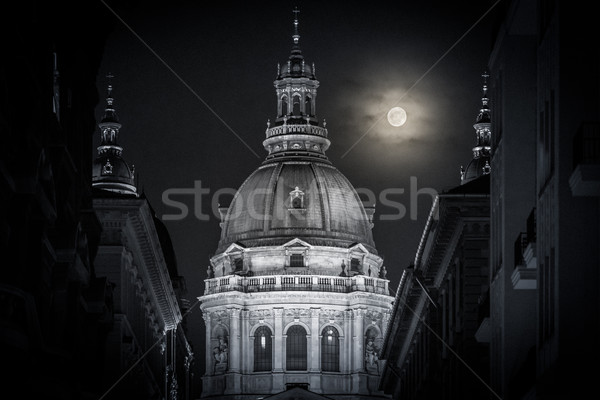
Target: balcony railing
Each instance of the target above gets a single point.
(296, 129)
(318, 283)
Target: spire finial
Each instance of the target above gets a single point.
(109, 112)
(296, 36)
(485, 75)
(109, 98)
(109, 77)
(479, 165)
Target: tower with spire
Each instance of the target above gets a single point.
(110, 172)
(136, 260)
(296, 297)
(480, 164)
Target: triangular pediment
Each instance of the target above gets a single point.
(296, 243)
(297, 394)
(359, 248)
(234, 248)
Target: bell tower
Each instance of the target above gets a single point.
(296, 86)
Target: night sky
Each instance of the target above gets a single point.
(369, 57)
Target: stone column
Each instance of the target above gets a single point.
(278, 350)
(315, 351)
(315, 354)
(346, 359)
(278, 345)
(208, 354)
(235, 348)
(359, 339)
(245, 343)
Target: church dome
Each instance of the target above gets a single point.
(309, 200)
(112, 172)
(476, 168)
(296, 213)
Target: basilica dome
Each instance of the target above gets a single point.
(309, 200)
(296, 213)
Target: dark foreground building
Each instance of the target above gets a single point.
(64, 331)
(543, 320)
(545, 226)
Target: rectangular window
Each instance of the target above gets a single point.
(297, 261)
(355, 265)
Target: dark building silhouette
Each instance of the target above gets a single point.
(540, 316)
(544, 288)
(59, 305)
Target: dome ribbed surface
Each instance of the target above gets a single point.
(476, 168)
(118, 173)
(262, 213)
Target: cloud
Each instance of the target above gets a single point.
(364, 103)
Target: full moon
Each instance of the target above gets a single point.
(396, 116)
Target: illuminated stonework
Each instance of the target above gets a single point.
(296, 294)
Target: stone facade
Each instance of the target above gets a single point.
(296, 296)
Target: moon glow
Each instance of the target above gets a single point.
(396, 116)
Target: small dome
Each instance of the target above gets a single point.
(483, 116)
(111, 172)
(309, 200)
(476, 168)
(296, 67)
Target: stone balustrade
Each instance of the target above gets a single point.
(296, 129)
(319, 283)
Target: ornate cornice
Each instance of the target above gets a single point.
(147, 265)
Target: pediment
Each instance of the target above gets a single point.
(234, 248)
(296, 243)
(358, 248)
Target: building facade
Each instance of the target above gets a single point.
(296, 296)
(544, 296)
(49, 232)
(146, 354)
(433, 346)
(512, 287)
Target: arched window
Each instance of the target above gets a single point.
(284, 105)
(263, 348)
(296, 105)
(330, 349)
(295, 348)
(308, 105)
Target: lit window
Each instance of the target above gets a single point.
(263, 360)
(330, 349)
